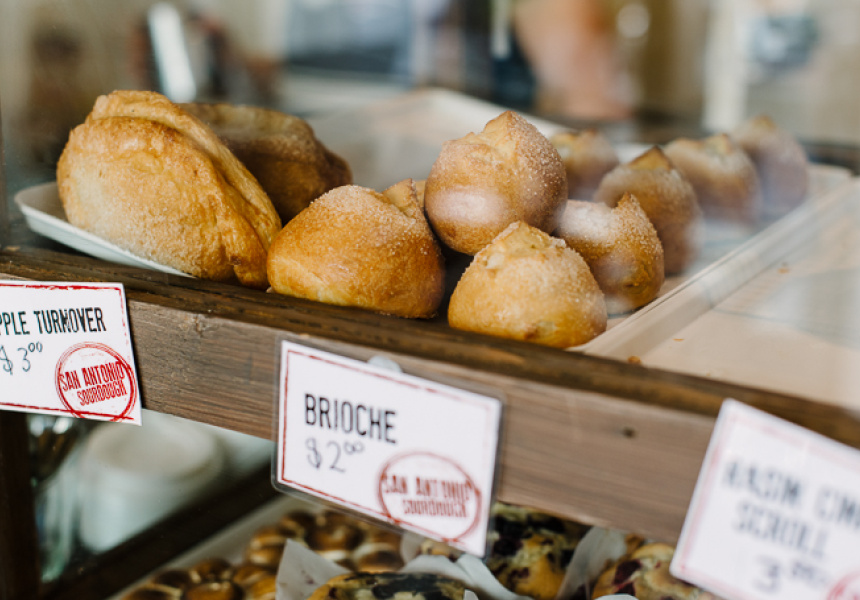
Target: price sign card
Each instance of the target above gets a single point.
(775, 513)
(65, 349)
(415, 453)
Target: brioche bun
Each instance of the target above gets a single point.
(587, 156)
(621, 248)
(483, 182)
(528, 286)
(356, 247)
(722, 174)
(669, 200)
(780, 161)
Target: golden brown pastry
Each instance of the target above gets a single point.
(151, 178)
(780, 161)
(526, 285)
(356, 247)
(280, 150)
(483, 182)
(209, 579)
(669, 200)
(722, 174)
(266, 547)
(531, 550)
(389, 586)
(378, 551)
(587, 156)
(620, 246)
(645, 575)
(214, 590)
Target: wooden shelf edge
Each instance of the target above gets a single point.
(588, 438)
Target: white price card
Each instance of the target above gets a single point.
(65, 349)
(775, 513)
(412, 452)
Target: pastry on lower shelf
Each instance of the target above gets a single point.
(621, 248)
(389, 586)
(149, 177)
(350, 542)
(722, 174)
(588, 156)
(210, 579)
(483, 182)
(531, 550)
(645, 575)
(529, 286)
(354, 246)
(280, 150)
(669, 200)
(780, 161)
(528, 550)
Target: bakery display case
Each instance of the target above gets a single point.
(611, 432)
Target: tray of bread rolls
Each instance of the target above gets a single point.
(432, 205)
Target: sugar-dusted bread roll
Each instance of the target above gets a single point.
(587, 155)
(722, 174)
(669, 200)
(151, 178)
(356, 247)
(620, 246)
(280, 150)
(780, 161)
(483, 182)
(527, 285)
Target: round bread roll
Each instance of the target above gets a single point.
(356, 247)
(722, 174)
(780, 161)
(669, 200)
(645, 575)
(151, 178)
(280, 150)
(526, 285)
(483, 182)
(587, 156)
(388, 586)
(620, 246)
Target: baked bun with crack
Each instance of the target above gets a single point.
(483, 182)
(722, 174)
(527, 285)
(357, 247)
(621, 248)
(280, 150)
(669, 200)
(587, 156)
(149, 177)
(780, 161)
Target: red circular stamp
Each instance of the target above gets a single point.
(431, 493)
(93, 380)
(847, 588)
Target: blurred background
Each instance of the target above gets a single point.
(705, 63)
